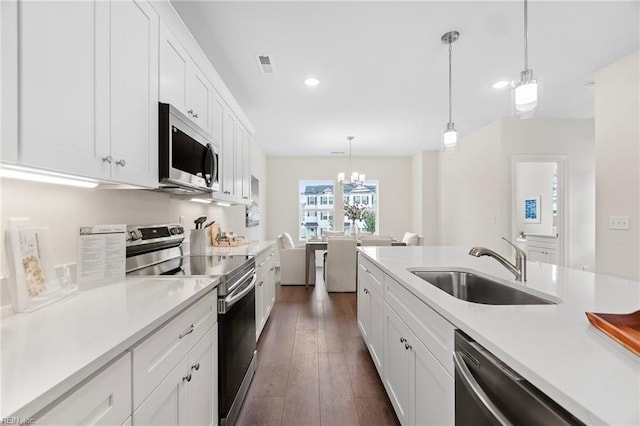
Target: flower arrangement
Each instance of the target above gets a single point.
(354, 211)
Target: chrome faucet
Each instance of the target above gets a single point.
(519, 269)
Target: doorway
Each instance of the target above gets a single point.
(539, 208)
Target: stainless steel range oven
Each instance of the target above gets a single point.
(156, 250)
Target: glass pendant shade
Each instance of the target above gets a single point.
(449, 138)
(526, 96)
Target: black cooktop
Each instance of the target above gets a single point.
(194, 266)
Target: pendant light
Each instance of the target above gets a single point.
(525, 93)
(450, 135)
(355, 178)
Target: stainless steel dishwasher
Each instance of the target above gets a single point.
(488, 392)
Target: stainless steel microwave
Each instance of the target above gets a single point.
(188, 158)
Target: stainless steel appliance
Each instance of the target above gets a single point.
(156, 250)
(487, 392)
(188, 159)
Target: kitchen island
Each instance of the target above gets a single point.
(552, 346)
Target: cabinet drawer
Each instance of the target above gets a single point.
(371, 273)
(104, 400)
(155, 357)
(264, 258)
(432, 329)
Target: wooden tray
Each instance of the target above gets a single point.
(623, 328)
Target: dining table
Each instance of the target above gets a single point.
(310, 257)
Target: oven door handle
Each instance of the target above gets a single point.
(477, 393)
(231, 300)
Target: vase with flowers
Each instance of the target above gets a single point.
(354, 212)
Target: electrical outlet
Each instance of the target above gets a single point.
(619, 222)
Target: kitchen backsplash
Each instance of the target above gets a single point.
(63, 209)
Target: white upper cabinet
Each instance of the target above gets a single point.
(173, 70)
(88, 75)
(182, 84)
(134, 92)
(199, 98)
(227, 183)
(57, 106)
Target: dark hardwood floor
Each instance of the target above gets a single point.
(313, 366)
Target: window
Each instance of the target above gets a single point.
(315, 217)
(367, 195)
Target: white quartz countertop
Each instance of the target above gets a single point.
(553, 346)
(254, 248)
(47, 352)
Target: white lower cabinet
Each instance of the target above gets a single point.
(396, 363)
(188, 395)
(431, 389)
(420, 389)
(411, 346)
(265, 288)
(371, 319)
(103, 400)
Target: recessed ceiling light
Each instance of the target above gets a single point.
(311, 81)
(500, 84)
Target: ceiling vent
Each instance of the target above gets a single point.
(266, 66)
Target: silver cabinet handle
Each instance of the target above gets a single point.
(187, 377)
(402, 340)
(260, 283)
(195, 115)
(190, 112)
(191, 328)
(196, 366)
(408, 346)
(121, 163)
(366, 291)
(107, 159)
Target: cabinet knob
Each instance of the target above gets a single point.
(107, 159)
(187, 377)
(402, 340)
(408, 346)
(366, 291)
(196, 366)
(121, 163)
(190, 112)
(195, 115)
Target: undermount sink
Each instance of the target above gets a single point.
(478, 289)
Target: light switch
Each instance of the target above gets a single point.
(619, 222)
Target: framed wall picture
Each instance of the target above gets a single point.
(532, 209)
(253, 210)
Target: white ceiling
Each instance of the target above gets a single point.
(384, 72)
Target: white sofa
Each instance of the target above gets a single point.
(292, 260)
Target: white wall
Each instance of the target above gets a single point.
(476, 182)
(471, 193)
(394, 175)
(535, 180)
(617, 132)
(425, 191)
(63, 209)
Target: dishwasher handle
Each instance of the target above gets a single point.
(476, 391)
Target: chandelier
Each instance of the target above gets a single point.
(355, 178)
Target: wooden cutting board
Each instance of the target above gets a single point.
(623, 328)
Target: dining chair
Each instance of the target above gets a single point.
(341, 265)
(292, 260)
(412, 239)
